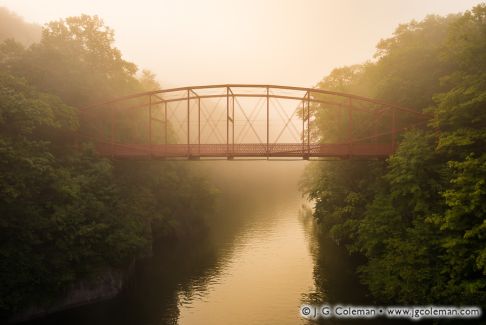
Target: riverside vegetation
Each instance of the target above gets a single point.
(67, 213)
(418, 218)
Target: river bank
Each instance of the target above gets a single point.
(256, 264)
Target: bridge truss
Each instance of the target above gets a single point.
(246, 121)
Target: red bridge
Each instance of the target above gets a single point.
(240, 120)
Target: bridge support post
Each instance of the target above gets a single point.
(303, 125)
(227, 123)
(233, 122)
(199, 126)
(188, 124)
(230, 118)
(268, 123)
(308, 125)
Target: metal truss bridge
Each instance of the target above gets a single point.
(245, 121)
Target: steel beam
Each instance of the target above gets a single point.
(356, 144)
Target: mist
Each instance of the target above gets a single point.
(12, 26)
(217, 42)
(241, 162)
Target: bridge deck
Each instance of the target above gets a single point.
(284, 150)
(250, 116)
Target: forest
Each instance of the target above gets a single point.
(68, 214)
(417, 218)
(415, 221)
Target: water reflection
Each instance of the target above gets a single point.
(252, 269)
(261, 260)
(336, 282)
(267, 270)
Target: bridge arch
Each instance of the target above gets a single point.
(245, 121)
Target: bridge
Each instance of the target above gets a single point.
(234, 121)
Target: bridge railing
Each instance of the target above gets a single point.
(246, 121)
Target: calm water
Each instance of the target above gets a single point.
(261, 261)
(262, 276)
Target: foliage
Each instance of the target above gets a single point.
(76, 60)
(14, 27)
(419, 219)
(66, 213)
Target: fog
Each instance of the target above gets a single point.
(13, 26)
(122, 204)
(277, 42)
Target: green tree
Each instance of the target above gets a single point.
(420, 219)
(66, 213)
(76, 60)
(60, 213)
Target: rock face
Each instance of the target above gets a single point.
(103, 286)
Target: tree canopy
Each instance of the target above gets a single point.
(66, 213)
(419, 217)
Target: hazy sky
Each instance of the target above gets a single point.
(291, 42)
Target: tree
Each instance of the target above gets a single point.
(419, 221)
(67, 214)
(76, 60)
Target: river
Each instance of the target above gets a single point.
(258, 264)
